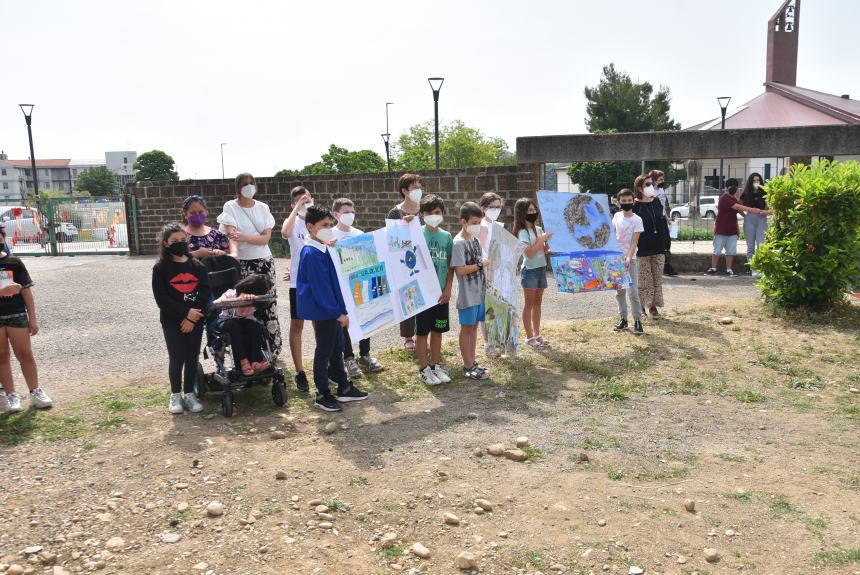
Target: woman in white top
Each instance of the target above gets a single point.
(248, 223)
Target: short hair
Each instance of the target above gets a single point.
(488, 198)
(623, 193)
(732, 183)
(298, 191)
(639, 185)
(470, 210)
(430, 202)
(407, 180)
(255, 284)
(316, 214)
(341, 202)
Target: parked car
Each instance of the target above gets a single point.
(707, 208)
(30, 227)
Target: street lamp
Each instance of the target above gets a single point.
(385, 138)
(27, 109)
(724, 104)
(222, 159)
(436, 85)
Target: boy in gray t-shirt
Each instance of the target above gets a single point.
(469, 263)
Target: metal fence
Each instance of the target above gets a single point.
(65, 226)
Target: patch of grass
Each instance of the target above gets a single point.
(89, 445)
(615, 474)
(109, 421)
(660, 474)
(391, 506)
(611, 391)
(359, 481)
(743, 497)
(809, 383)
(393, 552)
(531, 452)
(749, 396)
(39, 425)
(336, 505)
(126, 398)
(529, 558)
(180, 515)
(731, 457)
(780, 505)
(853, 480)
(837, 557)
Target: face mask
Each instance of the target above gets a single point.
(649, 191)
(433, 221)
(531, 218)
(493, 214)
(249, 190)
(196, 220)
(325, 235)
(304, 209)
(660, 185)
(473, 230)
(626, 207)
(178, 248)
(415, 195)
(756, 185)
(347, 219)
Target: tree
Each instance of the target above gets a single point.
(98, 181)
(617, 104)
(155, 166)
(339, 161)
(459, 147)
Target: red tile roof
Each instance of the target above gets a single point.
(40, 163)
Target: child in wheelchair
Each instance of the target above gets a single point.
(244, 331)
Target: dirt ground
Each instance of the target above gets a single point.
(733, 442)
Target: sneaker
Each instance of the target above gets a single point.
(369, 364)
(13, 403)
(441, 374)
(475, 374)
(175, 406)
(191, 403)
(352, 369)
(327, 403)
(621, 325)
(711, 272)
(637, 327)
(351, 394)
(40, 400)
(482, 370)
(730, 272)
(492, 351)
(302, 382)
(428, 376)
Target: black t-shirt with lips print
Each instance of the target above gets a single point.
(179, 287)
(12, 269)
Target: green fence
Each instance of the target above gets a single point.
(66, 226)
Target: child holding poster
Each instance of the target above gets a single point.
(434, 321)
(469, 263)
(533, 273)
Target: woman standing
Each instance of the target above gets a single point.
(754, 223)
(652, 244)
(248, 223)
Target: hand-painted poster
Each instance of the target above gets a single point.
(584, 252)
(501, 319)
(410, 269)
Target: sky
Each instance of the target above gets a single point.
(280, 81)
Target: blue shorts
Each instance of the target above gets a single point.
(471, 315)
(728, 243)
(533, 278)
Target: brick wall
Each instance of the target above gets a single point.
(374, 195)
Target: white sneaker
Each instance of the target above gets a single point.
(441, 374)
(191, 403)
(40, 400)
(428, 376)
(13, 403)
(175, 406)
(352, 369)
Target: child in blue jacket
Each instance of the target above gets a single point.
(318, 299)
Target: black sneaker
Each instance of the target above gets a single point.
(351, 394)
(621, 325)
(302, 382)
(711, 272)
(327, 403)
(637, 327)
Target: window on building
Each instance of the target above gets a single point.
(767, 171)
(124, 160)
(5, 185)
(47, 173)
(3, 172)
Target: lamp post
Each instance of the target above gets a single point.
(385, 138)
(724, 104)
(27, 109)
(436, 86)
(222, 159)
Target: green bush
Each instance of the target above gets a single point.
(812, 247)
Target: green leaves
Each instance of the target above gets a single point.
(812, 250)
(98, 181)
(155, 166)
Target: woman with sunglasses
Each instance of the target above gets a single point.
(651, 249)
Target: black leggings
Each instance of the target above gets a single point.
(246, 338)
(183, 350)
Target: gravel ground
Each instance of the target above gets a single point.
(99, 322)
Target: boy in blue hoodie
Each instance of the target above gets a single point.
(318, 299)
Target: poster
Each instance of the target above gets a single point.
(584, 252)
(410, 270)
(504, 252)
(501, 322)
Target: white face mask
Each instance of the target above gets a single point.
(756, 185)
(415, 195)
(325, 235)
(492, 214)
(473, 230)
(249, 190)
(347, 219)
(303, 210)
(434, 220)
(649, 191)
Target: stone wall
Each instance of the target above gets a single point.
(374, 195)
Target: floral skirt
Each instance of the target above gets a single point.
(268, 315)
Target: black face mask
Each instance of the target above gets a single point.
(626, 207)
(178, 248)
(531, 218)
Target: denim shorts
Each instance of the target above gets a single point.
(533, 278)
(729, 243)
(471, 315)
(15, 320)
